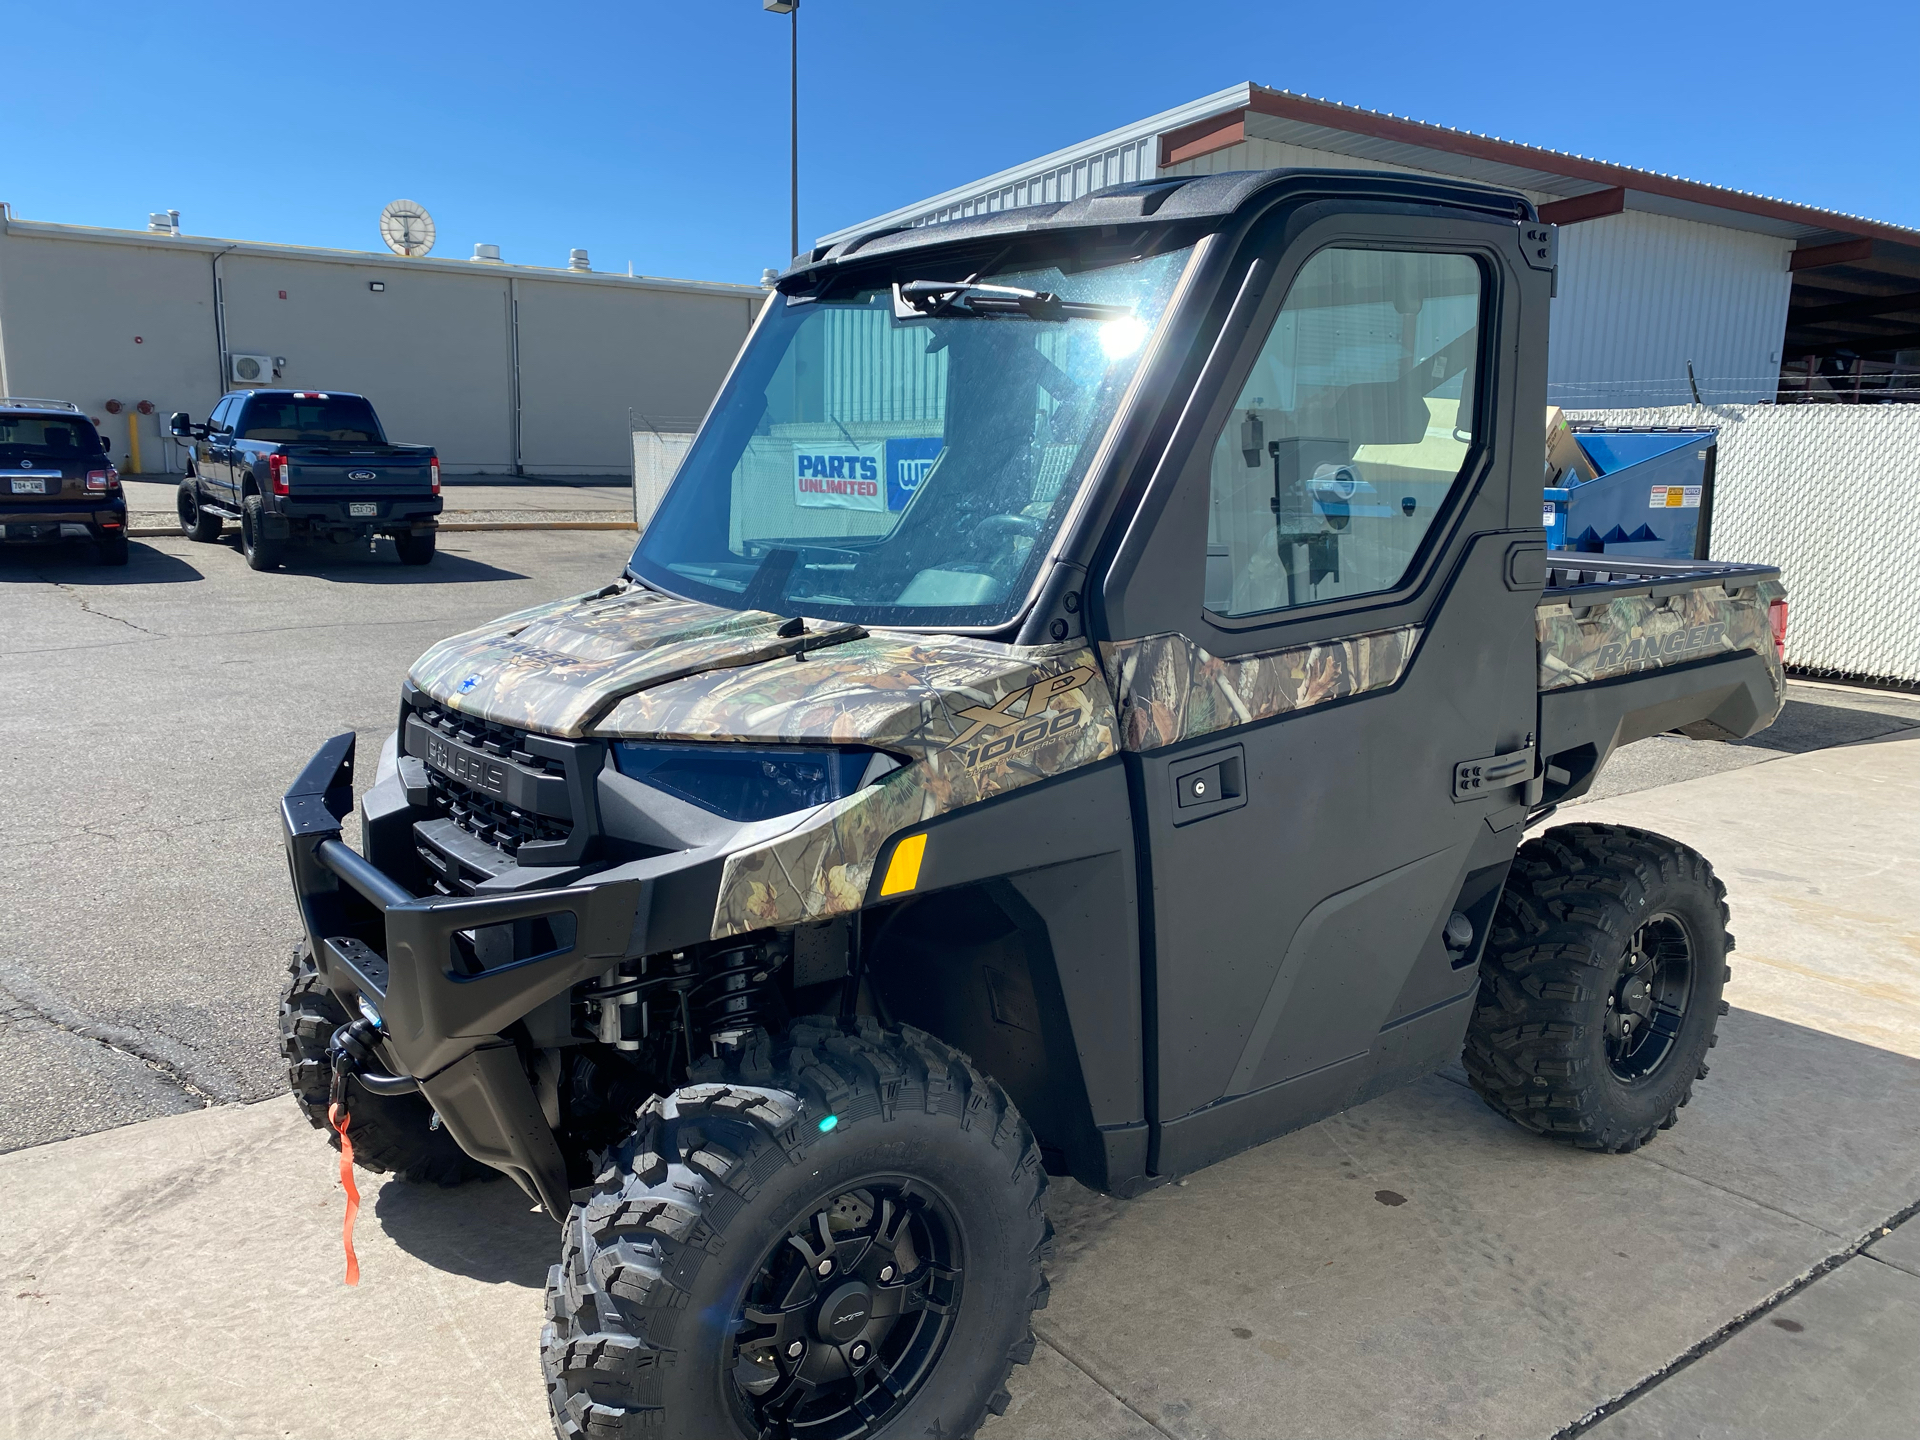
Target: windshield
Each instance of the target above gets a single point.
(292, 419)
(47, 437)
(903, 471)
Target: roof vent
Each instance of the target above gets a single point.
(163, 222)
(577, 260)
(769, 277)
(489, 254)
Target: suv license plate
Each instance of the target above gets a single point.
(29, 487)
(362, 507)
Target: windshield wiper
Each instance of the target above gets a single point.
(920, 299)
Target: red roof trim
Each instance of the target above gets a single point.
(1355, 121)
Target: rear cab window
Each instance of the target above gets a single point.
(310, 419)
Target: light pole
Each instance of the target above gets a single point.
(791, 9)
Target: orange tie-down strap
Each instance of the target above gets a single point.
(340, 1119)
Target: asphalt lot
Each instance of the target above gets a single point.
(1503, 1286)
(156, 715)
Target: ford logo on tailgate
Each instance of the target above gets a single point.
(362, 475)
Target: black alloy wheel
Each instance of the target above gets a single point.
(195, 522)
(845, 1319)
(1648, 1006)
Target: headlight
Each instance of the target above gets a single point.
(751, 782)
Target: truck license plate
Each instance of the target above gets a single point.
(29, 487)
(362, 507)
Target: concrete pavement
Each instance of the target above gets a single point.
(1416, 1266)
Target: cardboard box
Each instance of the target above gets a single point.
(1567, 463)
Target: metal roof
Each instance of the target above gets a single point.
(211, 245)
(1245, 111)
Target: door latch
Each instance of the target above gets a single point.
(1207, 784)
(1473, 779)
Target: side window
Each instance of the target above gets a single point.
(221, 420)
(1350, 431)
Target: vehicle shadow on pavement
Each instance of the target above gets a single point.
(1803, 726)
(486, 1230)
(355, 565)
(73, 562)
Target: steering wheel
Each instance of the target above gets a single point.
(993, 525)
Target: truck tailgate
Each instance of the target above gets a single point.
(1630, 647)
(326, 473)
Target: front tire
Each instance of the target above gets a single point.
(391, 1133)
(1600, 986)
(843, 1240)
(262, 550)
(195, 522)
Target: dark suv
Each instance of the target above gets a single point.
(56, 481)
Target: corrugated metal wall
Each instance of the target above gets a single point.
(1133, 160)
(1641, 294)
(1824, 492)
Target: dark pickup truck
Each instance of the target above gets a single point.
(1087, 724)
(309, 463)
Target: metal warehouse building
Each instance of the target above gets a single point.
(1766, 298)
(507, 369)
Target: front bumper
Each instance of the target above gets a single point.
(417, 960)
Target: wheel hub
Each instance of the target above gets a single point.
(843, 1313)
(849, 1313)
(1649, 998)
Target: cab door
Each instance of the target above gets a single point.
(213, 456)
(1321, 613)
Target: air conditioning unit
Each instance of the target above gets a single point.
(250, 369)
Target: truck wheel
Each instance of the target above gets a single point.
(391, 1133)
(415, 547)
(262, 550)
(845, 1240)
(195, 522)
(1600, 986)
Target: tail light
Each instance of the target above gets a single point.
(277, 473)
(1777, 618)
(107, 479)
(433, 469)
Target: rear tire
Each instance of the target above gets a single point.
(415, 547)
(718, 1212)
(391, 1133)
(195, 522)
(262, 551)
(113, 547)
(1600, 986)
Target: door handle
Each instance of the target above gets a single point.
(1208, 784)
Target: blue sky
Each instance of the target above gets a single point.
(656, 133)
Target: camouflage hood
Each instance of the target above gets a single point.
(557, 668)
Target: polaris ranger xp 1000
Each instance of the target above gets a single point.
(1076, 711)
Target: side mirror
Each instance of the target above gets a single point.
(180, 423)
(106, 445)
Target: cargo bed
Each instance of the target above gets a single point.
(1631, 647)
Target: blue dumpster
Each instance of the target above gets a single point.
(1652, 497)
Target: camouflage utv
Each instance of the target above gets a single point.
(1076, 712)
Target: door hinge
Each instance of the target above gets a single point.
(1473, 779)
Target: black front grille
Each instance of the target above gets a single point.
(487, 817)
